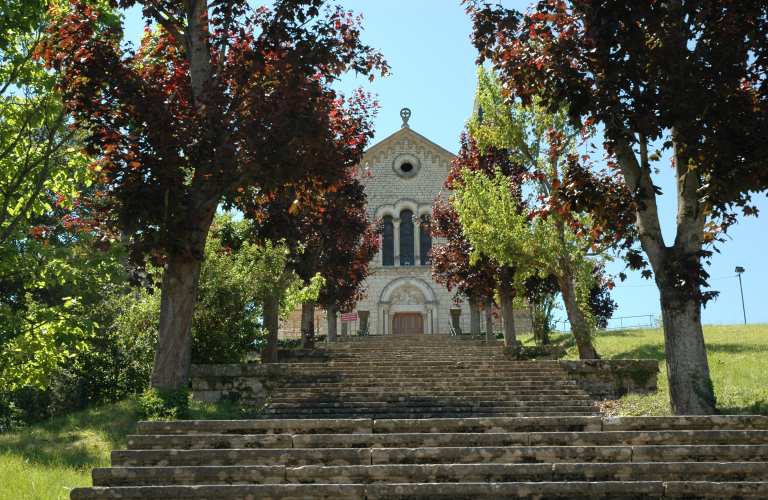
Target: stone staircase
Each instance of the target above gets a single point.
(442, 419)
(425, 376)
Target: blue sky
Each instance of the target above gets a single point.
(433, 73)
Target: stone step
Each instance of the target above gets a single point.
(575, 424)
(211, 441)
(449, 425)
(459, 374)
(433, 412)
(385, 383)
(373, 403)
(240, 457)
(613, 490)
(441, 455)
(543, 454)
(200, 475)
(545, 472)
(227, 441)
(457, 473)
(422, 416)
(432, 394)
(398, 398)
(303, 426)
(707, 422)
(530, 439)
(416, 387)
(230, 492)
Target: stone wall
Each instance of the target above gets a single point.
(247, 384)
(534, 352)
(611, 379)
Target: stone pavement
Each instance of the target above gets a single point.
(432, 417)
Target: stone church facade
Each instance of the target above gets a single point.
(407, 173)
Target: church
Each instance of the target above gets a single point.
(407, 173)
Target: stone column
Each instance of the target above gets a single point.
(380, 320)
(390, 323)
(424, 317)
(396, 224)
(429, 328)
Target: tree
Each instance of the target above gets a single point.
(600, 302)
(334, 239)
(545, 145)
(475, 274)
(220, 102)
(690, 74)
(48, 270)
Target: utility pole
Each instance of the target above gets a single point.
(740, 270)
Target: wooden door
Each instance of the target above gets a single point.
(410, 323)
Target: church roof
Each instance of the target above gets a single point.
(414, 137)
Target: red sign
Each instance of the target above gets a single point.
(348, 318)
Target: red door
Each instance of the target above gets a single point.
(410, 323)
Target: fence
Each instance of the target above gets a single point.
(612, 323)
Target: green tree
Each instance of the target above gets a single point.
(543, 232)
(45, 269)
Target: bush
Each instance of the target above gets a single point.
(226, 319)
(119, 362)
(165, 404)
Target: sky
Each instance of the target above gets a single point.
(434, 75)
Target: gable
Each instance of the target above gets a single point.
(406, 140)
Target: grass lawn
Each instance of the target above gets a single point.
(45, 461)
(738, 364)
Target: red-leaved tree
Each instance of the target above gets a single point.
(221, 101)
(691, 74)
(333, 237)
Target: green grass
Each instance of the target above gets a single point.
(738, 364)
(45, 461)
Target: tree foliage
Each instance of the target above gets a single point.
(456, 264)
(220, 102)
(47, 268)
(546, 231)
(690, 74)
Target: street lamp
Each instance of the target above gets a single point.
(740, 270)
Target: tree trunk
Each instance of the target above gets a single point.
(474, 317)
(507, 303)
(488, 308)
(308, 325)
(270, 311)
(690, 387)
(579, 326)
(331, 324)
(170, 367)
(687, 366)
(539, 324)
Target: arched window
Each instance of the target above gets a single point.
(406, 238)
(425, 240)
(388, 243)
